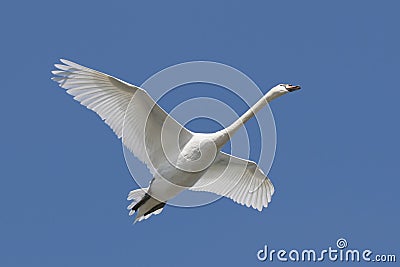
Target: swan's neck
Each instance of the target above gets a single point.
(223, 136)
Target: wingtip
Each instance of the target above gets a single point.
(65, 61)
(60, 66)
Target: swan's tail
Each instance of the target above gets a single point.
(144, 204)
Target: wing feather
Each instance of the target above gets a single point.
(129, 111)
(238, 179)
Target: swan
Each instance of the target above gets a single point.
(178, 159)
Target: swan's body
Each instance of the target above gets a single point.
(178, 158)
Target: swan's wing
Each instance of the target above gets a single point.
(238, 179)
(111, 99)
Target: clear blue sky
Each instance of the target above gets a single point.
(63, 179)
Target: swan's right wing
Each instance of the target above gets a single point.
(130, 112)
(238, 179)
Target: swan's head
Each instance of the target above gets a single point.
(282, 89)
(286, 88)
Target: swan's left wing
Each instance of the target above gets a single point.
(130, 112)
(238, 179)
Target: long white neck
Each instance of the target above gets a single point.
(223, 136)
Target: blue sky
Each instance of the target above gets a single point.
(64, 181)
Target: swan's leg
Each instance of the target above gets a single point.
(141, 202)
(156, 207)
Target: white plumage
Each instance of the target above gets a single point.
(177, 158)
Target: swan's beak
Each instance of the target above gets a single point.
(292, 88)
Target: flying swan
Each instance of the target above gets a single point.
(177, 158)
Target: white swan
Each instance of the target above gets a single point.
(178, 158)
